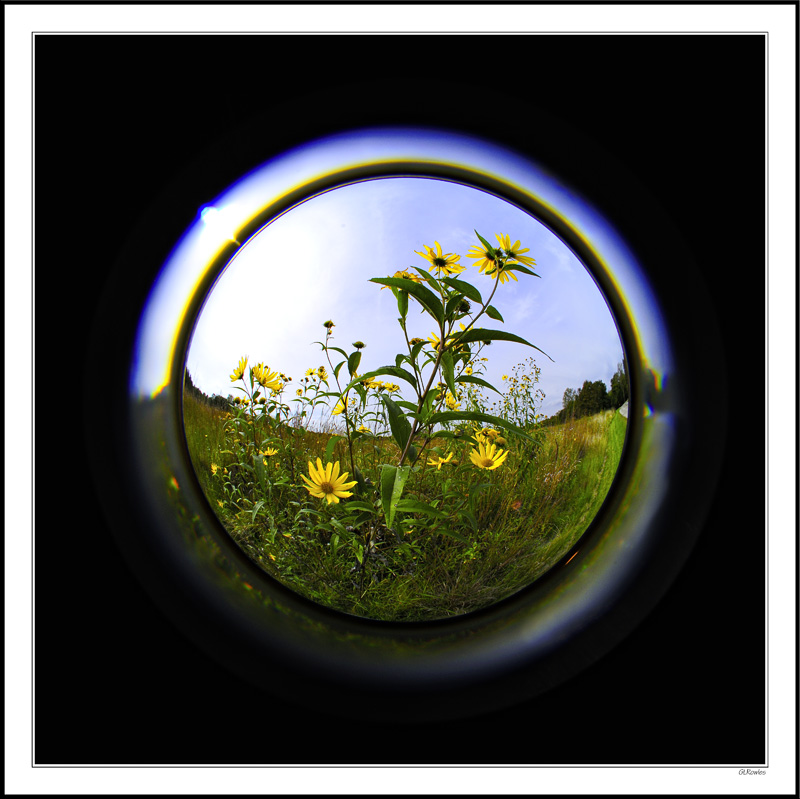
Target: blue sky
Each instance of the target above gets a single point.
(314, 263)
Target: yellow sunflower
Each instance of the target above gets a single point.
(443, 263)
(265, 378)
(488, 456)
(238, 372)
(514, 253)
(503, 274)
(326, 482)
(437, 461)
(484, 259)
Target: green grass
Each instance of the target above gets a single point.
(536, 506)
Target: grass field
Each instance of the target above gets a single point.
(493, 532)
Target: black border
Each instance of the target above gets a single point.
(73, 293)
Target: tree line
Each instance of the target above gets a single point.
(214, 401)
(593, 397)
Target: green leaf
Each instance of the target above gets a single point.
(361, 486)
(453, 534)
(486, 244)
(429, 301)
(467, 289)
(447, 371)
(493, 313)
(399, 424)
(402, 302)
(338, 525)
(475, 492)
(358, 505)
(416, 348)
(256, 509)
(414, 506)
(353, 361)
(336, 349)
(477, 380)
(337, 368)
(428, 277)
(519, 268)
(394, 371)
(469, 518)
(453, 304)
(446, 434)
(481, 334)
(393, 479)
(475, 416)
(329, 449)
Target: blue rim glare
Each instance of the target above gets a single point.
(532, 623)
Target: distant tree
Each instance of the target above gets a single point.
(592, 398)
(620, 389)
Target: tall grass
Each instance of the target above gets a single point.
(530, 513)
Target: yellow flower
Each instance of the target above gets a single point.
(447, 263)
(468, 370)
(310, 372)
(265, 378)
(437, 461)
(214, 468)
(364, 429)
(483, 258)
(514, 253)
(503, 274)
(451, 402)
(390, 387)
(487, 456)
(299, 392)
(326, 482)
(487, 436)
(322, 373)
(405, 274)
(436, 341)
(338, 409)
(238, 372)
(269, 452)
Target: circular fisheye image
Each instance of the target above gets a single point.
(405, 399)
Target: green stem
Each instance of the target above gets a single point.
(344, 403)
(441, 351)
